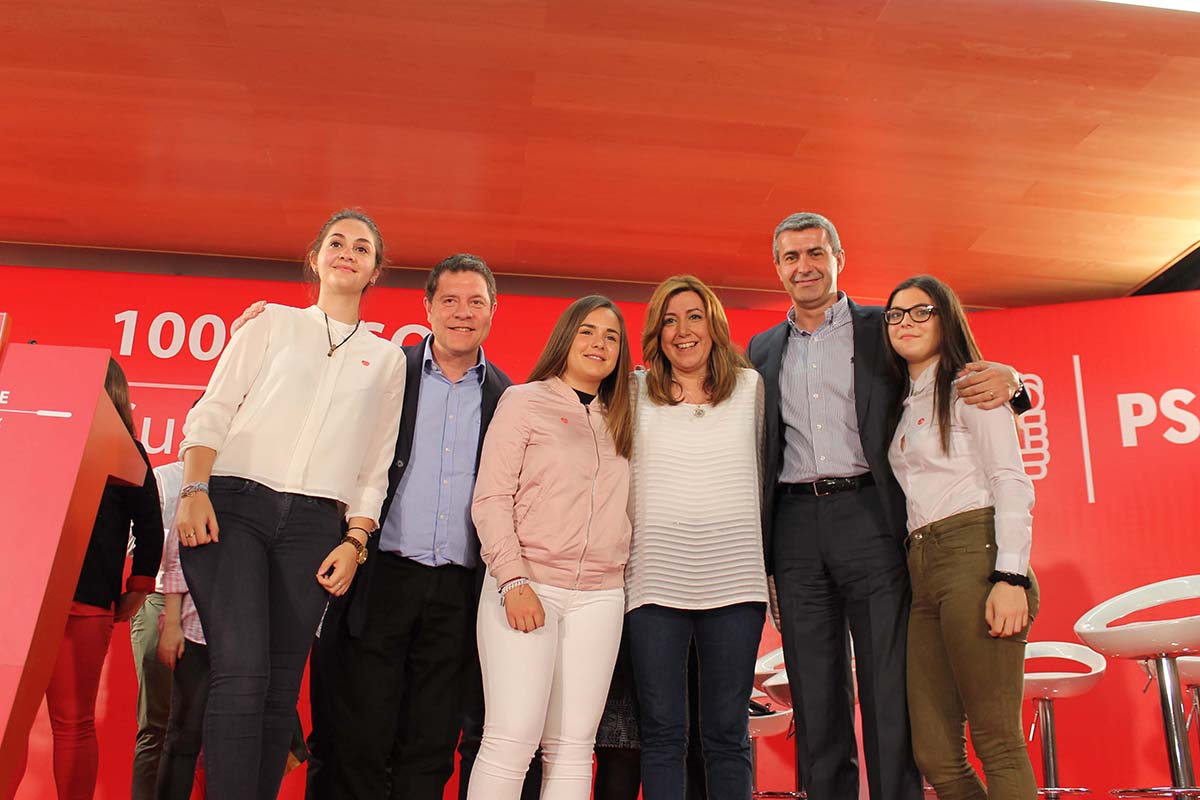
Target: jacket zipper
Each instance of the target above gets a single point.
(587, 531)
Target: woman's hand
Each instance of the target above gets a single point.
(1007, 610)
(252, 311)
(195, 520)
(337, 570)
(987, 385)
(170, 644)
(524, 609)
(128, 605)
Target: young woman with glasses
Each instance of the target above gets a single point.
(970, 533)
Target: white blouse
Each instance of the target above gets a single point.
(983, 469)
(694, 500)
(280, 411)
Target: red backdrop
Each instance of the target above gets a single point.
(1116, 507)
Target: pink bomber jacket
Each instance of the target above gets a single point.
(551, 494)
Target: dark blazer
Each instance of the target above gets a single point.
(875, 391)
(100, 579)
(494, 384)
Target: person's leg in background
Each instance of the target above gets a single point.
(618, 739)
(323, 685)
(589, 636)
(153, 697)
(185, 726)
(71, 700)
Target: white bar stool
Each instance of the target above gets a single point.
(766, 666)
(1160, 641)
(1043, 688)
(762, 725)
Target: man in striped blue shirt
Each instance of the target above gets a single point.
(834, 517)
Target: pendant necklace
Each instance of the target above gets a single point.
(329, 335)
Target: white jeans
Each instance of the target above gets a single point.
(548, 686)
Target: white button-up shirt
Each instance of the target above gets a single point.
(280, 411)
(982, 469)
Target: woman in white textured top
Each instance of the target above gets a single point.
(970, 531)
(696, 563)
(298, 421)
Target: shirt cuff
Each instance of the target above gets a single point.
(139, 583)
(367, 504)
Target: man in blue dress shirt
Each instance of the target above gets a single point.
(396, 656)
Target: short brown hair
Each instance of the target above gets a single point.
(461, 262)
(723, 362)
(614, 389)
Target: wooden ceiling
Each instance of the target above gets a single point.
(1028, 151)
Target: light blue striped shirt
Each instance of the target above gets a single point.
(430, 519)
(816, 384)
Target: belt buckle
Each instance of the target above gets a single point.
(817, 487)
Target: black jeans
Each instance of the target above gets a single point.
(185, 726)
(259, 601)
(727, 641)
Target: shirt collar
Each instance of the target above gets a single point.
(430, 365)
(925, 380)
(836, 316)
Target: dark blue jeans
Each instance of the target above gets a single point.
(726, 646)
(259, 601)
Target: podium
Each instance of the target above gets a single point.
(61, 441)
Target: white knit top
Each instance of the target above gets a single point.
(694, 500)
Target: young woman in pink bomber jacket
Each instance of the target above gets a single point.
(550, 508)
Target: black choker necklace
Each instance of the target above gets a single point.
(329, 335)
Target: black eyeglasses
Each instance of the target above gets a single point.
(894, 316)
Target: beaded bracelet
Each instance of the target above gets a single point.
(510, 585)
(1009, 577)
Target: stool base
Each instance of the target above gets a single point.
(1054, 791)
(1158, 791)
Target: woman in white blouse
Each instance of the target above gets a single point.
(970, 531)
(695, 569)
(297, 425)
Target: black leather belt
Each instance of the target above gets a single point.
(828, 485)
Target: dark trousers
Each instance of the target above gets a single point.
(727, 641)
(185, 726)
(837, 562)
(397, 707)
(259, 602)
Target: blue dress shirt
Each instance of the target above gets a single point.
(430, 519)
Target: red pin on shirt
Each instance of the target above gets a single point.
(564, 419)
(921, 421)
(366, 363)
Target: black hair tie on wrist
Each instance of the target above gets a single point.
(1009, 577)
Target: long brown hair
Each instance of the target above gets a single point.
(724, 361)
(614, 389)
(957, 348)
(118, 391)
